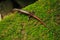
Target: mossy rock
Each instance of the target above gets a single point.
(20, 27)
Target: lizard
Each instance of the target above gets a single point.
(30, 14)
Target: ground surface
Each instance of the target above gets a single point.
(20, 27)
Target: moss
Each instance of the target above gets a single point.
(13, 26)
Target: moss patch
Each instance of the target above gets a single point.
(19, 27)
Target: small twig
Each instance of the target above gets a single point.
(30, 14)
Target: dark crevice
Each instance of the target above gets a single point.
(26, 2)
(16, 5)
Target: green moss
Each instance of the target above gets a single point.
(12, 26)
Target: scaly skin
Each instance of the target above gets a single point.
(30, 14)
